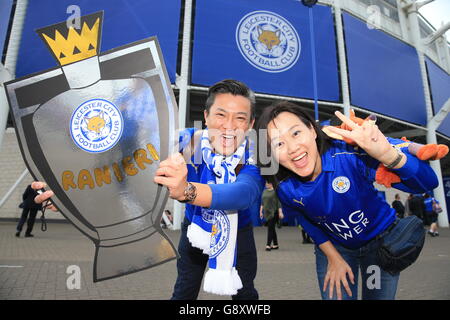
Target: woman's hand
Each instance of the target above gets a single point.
(337, 271)
(336, 275)
(370, 138)
(172, 173)
(280, 214)
(37, 185)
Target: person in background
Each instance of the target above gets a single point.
(431, 214)
(398, 206)
(272, 213)
(30, 209)
(407, 209)
(417, 207)
(306, 237)
(166, 219)
(436, 209)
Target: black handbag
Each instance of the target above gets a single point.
(402, 245)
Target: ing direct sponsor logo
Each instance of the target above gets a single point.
(268, 41)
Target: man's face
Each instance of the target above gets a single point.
(228, 120)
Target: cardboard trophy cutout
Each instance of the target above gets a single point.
(95, 130)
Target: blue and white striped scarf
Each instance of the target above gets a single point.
(215, 231)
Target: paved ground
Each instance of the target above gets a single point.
(35, 268)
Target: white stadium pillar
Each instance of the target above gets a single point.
(439, 193)
(4, 76)
(8, 71)
(342, 57)
(183, 85)
(411, 10)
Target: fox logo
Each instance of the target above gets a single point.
(269, 38)
(96, 123)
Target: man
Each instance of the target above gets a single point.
(398, 206)
(417, 207)
(229, 115)
(29, 208)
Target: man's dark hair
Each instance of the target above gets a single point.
(235, 88)
(323, 142)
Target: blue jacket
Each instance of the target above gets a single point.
(243, 195)
(428, 202)
(342, 205)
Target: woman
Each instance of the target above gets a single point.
(271, 211)
(330, 185)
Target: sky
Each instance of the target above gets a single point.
(437, 13)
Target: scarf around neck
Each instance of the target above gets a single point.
(215, 231)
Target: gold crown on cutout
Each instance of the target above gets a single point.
(77, 44)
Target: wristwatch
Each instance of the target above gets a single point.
(396, 161)
(190, 193)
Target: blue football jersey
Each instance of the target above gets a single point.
(341, 204)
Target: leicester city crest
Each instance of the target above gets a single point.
(220, 234)
(268, 41)
(96, 125)
(341, 184)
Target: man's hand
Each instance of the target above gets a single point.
(37, 185)
(172, 173)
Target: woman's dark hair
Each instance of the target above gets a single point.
(233, 87)
(269, 114)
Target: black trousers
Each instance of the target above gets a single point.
(31, 219)
(192, 264)
(271, 232)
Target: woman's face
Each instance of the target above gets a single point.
(294, 145)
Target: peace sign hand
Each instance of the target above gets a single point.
(368, 137)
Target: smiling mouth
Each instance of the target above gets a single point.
(228, 140)
(300, 156)
(301, 161)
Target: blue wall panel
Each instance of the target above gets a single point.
(5, 13)
(440, 92)
(227, 44)
(384, 73)
(125, 21)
